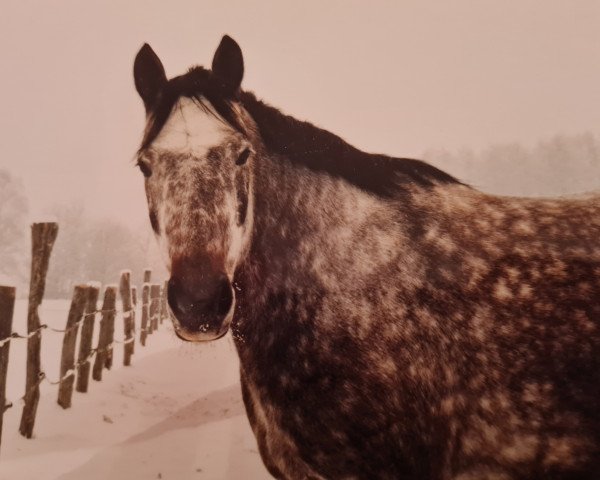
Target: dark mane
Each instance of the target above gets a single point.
(299, 141)
(321, 150)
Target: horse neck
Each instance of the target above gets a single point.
(303, 217)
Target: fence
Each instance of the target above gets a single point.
(80, 325)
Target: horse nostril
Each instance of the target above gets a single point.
(176, 297)
(224, 295)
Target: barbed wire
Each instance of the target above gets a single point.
(42, 376)
(127, 314)
(84, 317)
(16, 335)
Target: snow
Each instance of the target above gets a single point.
(176, 413)
(43, 218)
(8, 280)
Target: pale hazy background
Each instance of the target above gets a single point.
(505, 95)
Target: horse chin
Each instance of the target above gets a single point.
(207, 336)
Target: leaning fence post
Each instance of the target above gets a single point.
(67, 360)
(128, 325)
(43, 238)
(144, 325)
(85, 341)
(163, 303)
(154, 305)
(107, 329)
(7, 306)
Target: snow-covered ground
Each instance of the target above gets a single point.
(176, 413)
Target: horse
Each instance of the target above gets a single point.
(391, 321)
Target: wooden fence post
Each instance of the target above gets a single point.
(150, 325)
(134, 297)
(128, 318)
(67, 361)
(144, 326)
(154, 305)
(7, 306)
(147, 275)
(43, 238)
(85, 341)
(134, 300)
(163, 302)
(107, 329)
(110, 333)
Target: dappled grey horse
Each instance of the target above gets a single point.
(391, 322)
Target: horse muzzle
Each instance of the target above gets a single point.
(201, 304)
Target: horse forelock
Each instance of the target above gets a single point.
(197, 85)
(193, 127)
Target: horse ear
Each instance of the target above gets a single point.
(228, 64)
(149, 75)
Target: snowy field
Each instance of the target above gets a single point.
(176, 413)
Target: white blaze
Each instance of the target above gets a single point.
(192, 128)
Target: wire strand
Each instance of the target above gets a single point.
(84, 316)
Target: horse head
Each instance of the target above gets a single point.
(197, 158)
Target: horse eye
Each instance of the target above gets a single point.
(243, 158)
(144, 167)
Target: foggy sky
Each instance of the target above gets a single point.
(396, 77)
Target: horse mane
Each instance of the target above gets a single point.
(320, 150)
(299, 141)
